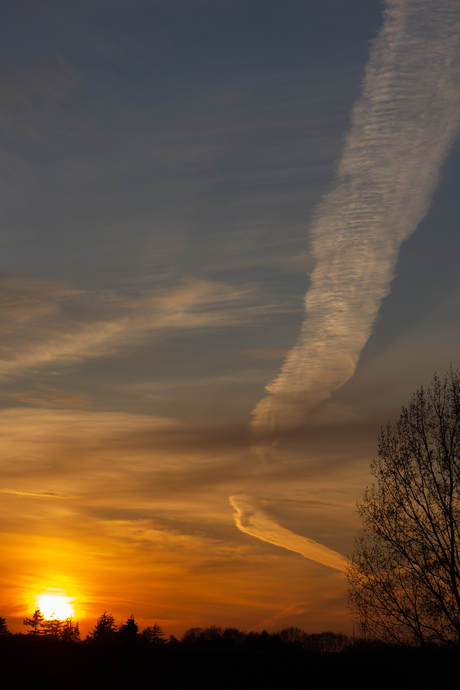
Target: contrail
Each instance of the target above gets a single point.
(402, 127)
(252, 520)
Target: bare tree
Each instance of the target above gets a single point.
(404, 575)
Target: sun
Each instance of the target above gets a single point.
(55, 606)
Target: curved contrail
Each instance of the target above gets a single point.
(252, 520)
(402, 127)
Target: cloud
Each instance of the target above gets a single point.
(402, 127)
(36, 437)
(121, 458)
(26, 299)
(292, 611)
(252, 520)
(51, 398)
(33, 494)
(236, 378)
(54, 325)
(267, 353)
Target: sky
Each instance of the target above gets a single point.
(229, 249)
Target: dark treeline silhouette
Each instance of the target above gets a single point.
(207, 639)
(288, 639)
(107, 631)
(54, 628)
(52, 655)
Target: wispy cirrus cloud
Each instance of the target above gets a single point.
(402, 127)
(49, 324)
(33, 494)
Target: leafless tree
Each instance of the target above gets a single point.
(404, 575)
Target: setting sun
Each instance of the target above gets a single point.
(55, 606)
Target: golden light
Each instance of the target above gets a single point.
(55, 606)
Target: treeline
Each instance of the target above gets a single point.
(211, 638)
(287, 639)
(38, 626)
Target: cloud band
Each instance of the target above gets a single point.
(402, 127)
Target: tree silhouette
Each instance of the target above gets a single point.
(292, 635)
(404, 576)
(233, 637)
(70, 631)
(105, 629)
(35, 623)
(129, 631)
(4, 632)
(52, 628)
(153, 634)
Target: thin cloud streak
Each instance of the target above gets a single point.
(402, 128)
(253, 521)
(40, 329)
(33, 494)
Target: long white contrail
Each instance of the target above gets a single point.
(252, 520)
(402, 127)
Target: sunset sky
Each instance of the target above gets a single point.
(229, 236)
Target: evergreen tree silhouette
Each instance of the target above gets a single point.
(35, 623)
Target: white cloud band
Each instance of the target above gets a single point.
(402, 128)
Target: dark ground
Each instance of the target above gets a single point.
(43, 664)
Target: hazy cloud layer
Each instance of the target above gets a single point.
(252, 520)
(48, 324)
(402, 128)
